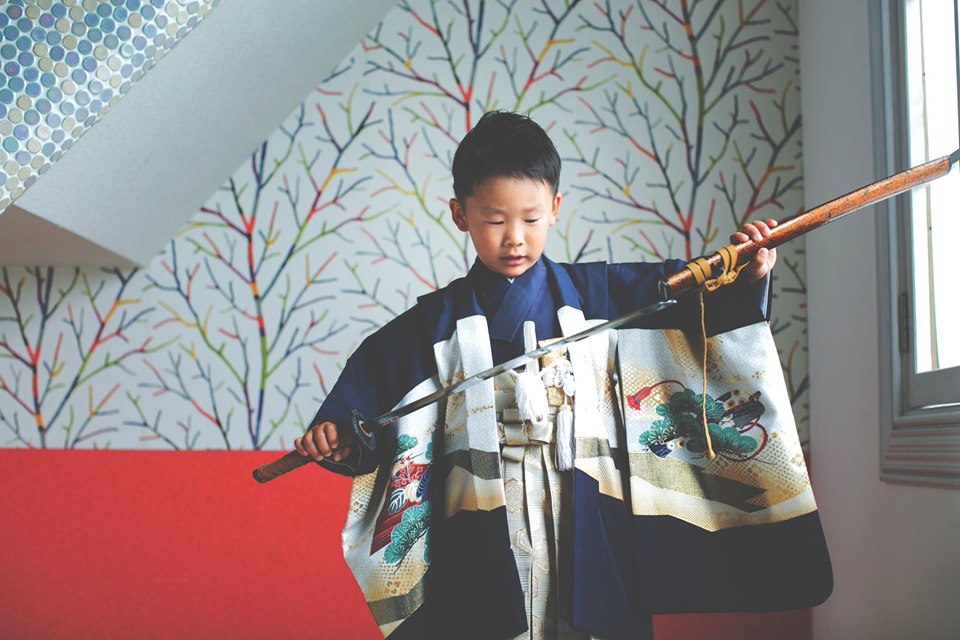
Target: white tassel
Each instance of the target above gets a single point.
(565, 443)
(560, 374)
(531, 397)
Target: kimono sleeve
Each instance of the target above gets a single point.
(376, 376)
(633, 285)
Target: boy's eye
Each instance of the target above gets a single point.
(532, 220)
(494, 222)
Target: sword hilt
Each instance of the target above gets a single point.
(271, 470)
(360, 439)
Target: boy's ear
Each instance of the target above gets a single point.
(556, 209)
(458, 214)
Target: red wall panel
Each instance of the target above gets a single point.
(138, 544)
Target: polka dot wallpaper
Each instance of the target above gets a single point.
(66, 63)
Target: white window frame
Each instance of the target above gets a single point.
(919, 441)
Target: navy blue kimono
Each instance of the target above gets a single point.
(623, 567)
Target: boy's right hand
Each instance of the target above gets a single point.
(321, 442)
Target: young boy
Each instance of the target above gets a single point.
(493, 521)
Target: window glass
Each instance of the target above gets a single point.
(931, 86)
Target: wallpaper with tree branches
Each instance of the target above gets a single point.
(677, 120)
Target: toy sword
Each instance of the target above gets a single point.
(729, 258)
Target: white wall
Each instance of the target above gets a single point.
(895, 549)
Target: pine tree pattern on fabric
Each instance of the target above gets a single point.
(681, 424)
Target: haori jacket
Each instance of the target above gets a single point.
(426, 534)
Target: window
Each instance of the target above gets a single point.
(916, 115)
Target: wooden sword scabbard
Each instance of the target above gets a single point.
(794, 227)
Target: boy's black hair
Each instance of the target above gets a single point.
(504, 144)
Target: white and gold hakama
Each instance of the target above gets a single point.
(534, 494)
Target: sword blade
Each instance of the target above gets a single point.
(293, 460)
(392, 416)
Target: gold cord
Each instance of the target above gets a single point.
(703, 397)
(701, 270)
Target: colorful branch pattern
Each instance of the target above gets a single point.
(62, 333)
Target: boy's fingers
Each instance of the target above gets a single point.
(330, 431)
(305, 444)
(323, 447)
(320, 442)
(758, 266)
(766, 226)
(314, 442)
(756, 230)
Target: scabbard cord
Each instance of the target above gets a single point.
(703, 394)
(701, 269)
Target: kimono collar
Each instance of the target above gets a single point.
(492, 287)
(462, 298)
(569, 294)
(506, 303)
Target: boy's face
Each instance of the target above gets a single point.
(508, 220)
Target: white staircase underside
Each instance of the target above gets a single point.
(140, 173)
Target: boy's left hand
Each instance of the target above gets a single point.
(764, 260)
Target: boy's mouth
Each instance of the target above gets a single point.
(513, 260)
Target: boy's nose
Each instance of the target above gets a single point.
(514, 236)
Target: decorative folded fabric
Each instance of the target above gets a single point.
(740, 531)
